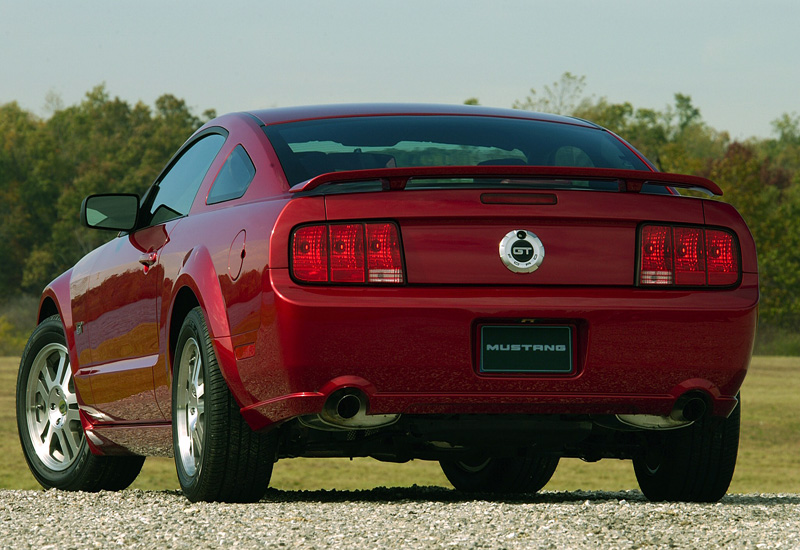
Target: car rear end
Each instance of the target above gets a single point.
(500, 307)
(625, 327)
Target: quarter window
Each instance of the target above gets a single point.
(176, 191)
(234, 178)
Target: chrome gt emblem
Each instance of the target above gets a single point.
(521, 251)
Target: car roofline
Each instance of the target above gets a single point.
(283, 115)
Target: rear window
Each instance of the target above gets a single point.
(310, 148)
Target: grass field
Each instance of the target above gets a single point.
(769, 452)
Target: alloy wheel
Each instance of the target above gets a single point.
(51, 406)
(190, 405)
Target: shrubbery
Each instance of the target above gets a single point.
(47, 167)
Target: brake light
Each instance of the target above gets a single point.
(723, 257)
(355, 253)
(310, 253)
(656, 256)
(690, 266)
(687, 256)
(384, 264)
(347, 253)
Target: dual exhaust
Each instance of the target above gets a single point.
(346, 409)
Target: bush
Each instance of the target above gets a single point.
(17, 320)
(776, 341)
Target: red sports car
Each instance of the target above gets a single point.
(492, 289)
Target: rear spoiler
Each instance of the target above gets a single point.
(397, 178)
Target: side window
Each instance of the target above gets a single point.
(177, 189)
(234, 178)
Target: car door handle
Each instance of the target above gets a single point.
(148, 259)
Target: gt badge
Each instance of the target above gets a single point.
(521, 251)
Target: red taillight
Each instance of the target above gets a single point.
(310, 253)
(687, 256)
(723, 257)
(655, 266)
(384, 264)
(690, 258)
(348, 253)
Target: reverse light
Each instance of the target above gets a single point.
(349, 253)
(384, 263)
(687, 256)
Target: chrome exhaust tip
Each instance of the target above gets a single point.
(347, 408)
(689, 408)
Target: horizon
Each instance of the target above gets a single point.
(267, 54)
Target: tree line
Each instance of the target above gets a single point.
(104, 144)
(759, 176)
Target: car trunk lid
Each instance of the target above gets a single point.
(453, 236)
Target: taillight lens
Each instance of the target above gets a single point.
(355, 253)
(384, 263)
(687, 256)
(347, 253)
(723, 257)
(690, 257)
(656, 256)
(310, 253)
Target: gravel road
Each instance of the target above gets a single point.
(417, 517)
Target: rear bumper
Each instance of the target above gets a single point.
(413, 350)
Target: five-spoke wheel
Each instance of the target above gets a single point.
(49, 422)
(190, 407)
(217, 456)
(51, 408)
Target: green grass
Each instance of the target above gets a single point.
(769, 453)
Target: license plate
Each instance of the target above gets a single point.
(526, 349)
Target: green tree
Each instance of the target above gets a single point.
(26, 201)
(562, 97)
(102, 144)
(760, 178)
(771, 207)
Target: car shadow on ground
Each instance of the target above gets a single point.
(399, 495)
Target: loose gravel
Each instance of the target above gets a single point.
(416, 517)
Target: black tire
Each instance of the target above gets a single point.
(691, 464)
(217, 456)
(500, 475)
(49, 426)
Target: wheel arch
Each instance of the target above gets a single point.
(47, 309)
(199, 277)
(56, 300)
(197, 284)
(184, 302)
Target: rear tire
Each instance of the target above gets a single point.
(217, 456)
(500, 475)
(49, 424)
(691, 464)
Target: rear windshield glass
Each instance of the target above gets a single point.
(310, 148)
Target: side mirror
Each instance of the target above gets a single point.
(118, 211)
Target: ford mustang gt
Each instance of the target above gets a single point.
(490, 289)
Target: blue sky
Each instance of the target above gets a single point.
(738, 60)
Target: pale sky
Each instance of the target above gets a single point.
(737, 59)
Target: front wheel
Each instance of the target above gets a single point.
(500, 475)
(217, 456)
(49, 424)
(691, 464)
